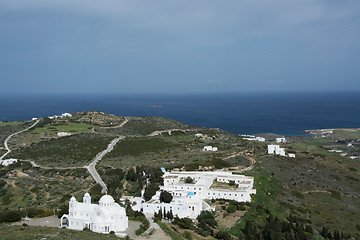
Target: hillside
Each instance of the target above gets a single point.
(318, 187)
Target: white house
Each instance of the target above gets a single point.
(280, 140)
(260, 139)
(63, 134)
(7, 162)
(276, 149)
(198, 135)
(210, 149)
(104, 217)
(354, 157)
(66, 115)
(291, 155)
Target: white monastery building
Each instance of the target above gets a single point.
(104, 217)
(188, 198)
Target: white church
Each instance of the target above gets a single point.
(104, 217)
(188, 198)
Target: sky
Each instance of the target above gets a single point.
(178, 46)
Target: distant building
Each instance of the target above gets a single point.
(260, 139)
(198, 135)
(354, 157)
(63, 134)
(8, 162)
(291, 155)
(66, 115)
(210, 149)
(280, 140)
(335, 150)
(276, 149)
(104, 217)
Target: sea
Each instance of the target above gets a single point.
(282, 113)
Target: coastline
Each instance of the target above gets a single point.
(329, 130)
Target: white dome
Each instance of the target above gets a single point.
(106, 199)
(86, 195)
(72, 198)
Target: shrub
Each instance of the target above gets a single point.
(223, 235)
(189, 180)
(187, 235)
(165, 197)
(185, 223)
(231, 209)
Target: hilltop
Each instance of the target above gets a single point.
(319, 187)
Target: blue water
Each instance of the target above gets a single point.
(281, 113)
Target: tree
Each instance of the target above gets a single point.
(165, 197)
(189, 180)
(231, 209)
(185, 223)
(223, 235)
(150, 191)
(131, 175)
(170, 215)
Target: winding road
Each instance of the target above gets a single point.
(10, 136)
(91, 167)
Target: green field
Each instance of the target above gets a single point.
(10, 123)
(68, 127)
(75, 150)
(267, 191)
(342, 134)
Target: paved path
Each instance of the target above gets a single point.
(8, 138)
(156, 133)
(120, 125)
(91, 167)
(246, 155)
(60, 168)
(157, 232)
